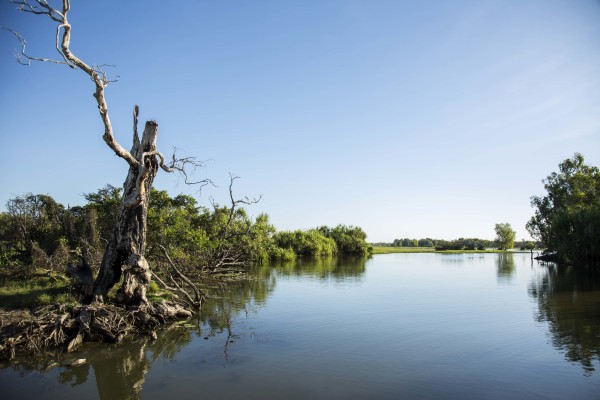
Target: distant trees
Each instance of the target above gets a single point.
(505, 236)
(463, 244)
(406, 242)
(425, 243)
(439, 244)
(567, 218)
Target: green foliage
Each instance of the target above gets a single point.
(306, 243)
(37, 289)
(44, 299)
(38, 232)
(406, 242)
(349, 240)
(34, 219)
(99, 215)
(280, 254)
(323, 241)
(176, 224)
(153, 287)
(567, 218)
(505, 236)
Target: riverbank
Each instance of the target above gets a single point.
(390, 250)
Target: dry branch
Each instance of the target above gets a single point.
(199, 295)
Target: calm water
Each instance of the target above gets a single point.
(413, 326)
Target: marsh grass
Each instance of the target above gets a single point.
(36, 290)
(390, 249)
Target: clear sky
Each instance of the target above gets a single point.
(407, 118)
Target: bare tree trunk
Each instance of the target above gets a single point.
(124, 254)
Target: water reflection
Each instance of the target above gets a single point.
(337, 268)
(120, 370)
(505, 268)
(369, 332)
(569, 301)
(227, 297)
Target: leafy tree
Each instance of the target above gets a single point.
(505, 236)
(309, 243)
(176, 224)
(36, 220)
(348, 239)
(103, 207)
(567, 218)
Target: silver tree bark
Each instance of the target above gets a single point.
(124, 254)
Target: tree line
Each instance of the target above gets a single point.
(38, 231)
(504, 241)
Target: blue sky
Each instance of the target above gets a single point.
(407, 118)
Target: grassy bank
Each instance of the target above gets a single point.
(389, 250)
(36, 290)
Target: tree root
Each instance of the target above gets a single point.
(65, 327)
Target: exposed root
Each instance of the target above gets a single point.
(65, 327)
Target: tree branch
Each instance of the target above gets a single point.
(181, 165)
(21, 56)
(42, 7)
(198, 294)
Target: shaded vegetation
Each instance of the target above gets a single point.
(37, 290)
(567, 218)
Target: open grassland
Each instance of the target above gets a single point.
(389, 250)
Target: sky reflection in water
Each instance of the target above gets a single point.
(398, 325)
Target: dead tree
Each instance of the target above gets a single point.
(124, 254)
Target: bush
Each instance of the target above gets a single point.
(567, 219)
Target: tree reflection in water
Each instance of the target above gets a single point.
(569, 301)
(337, 268)
(505, 268)
(120, 370)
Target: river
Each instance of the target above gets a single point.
(410, 326)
